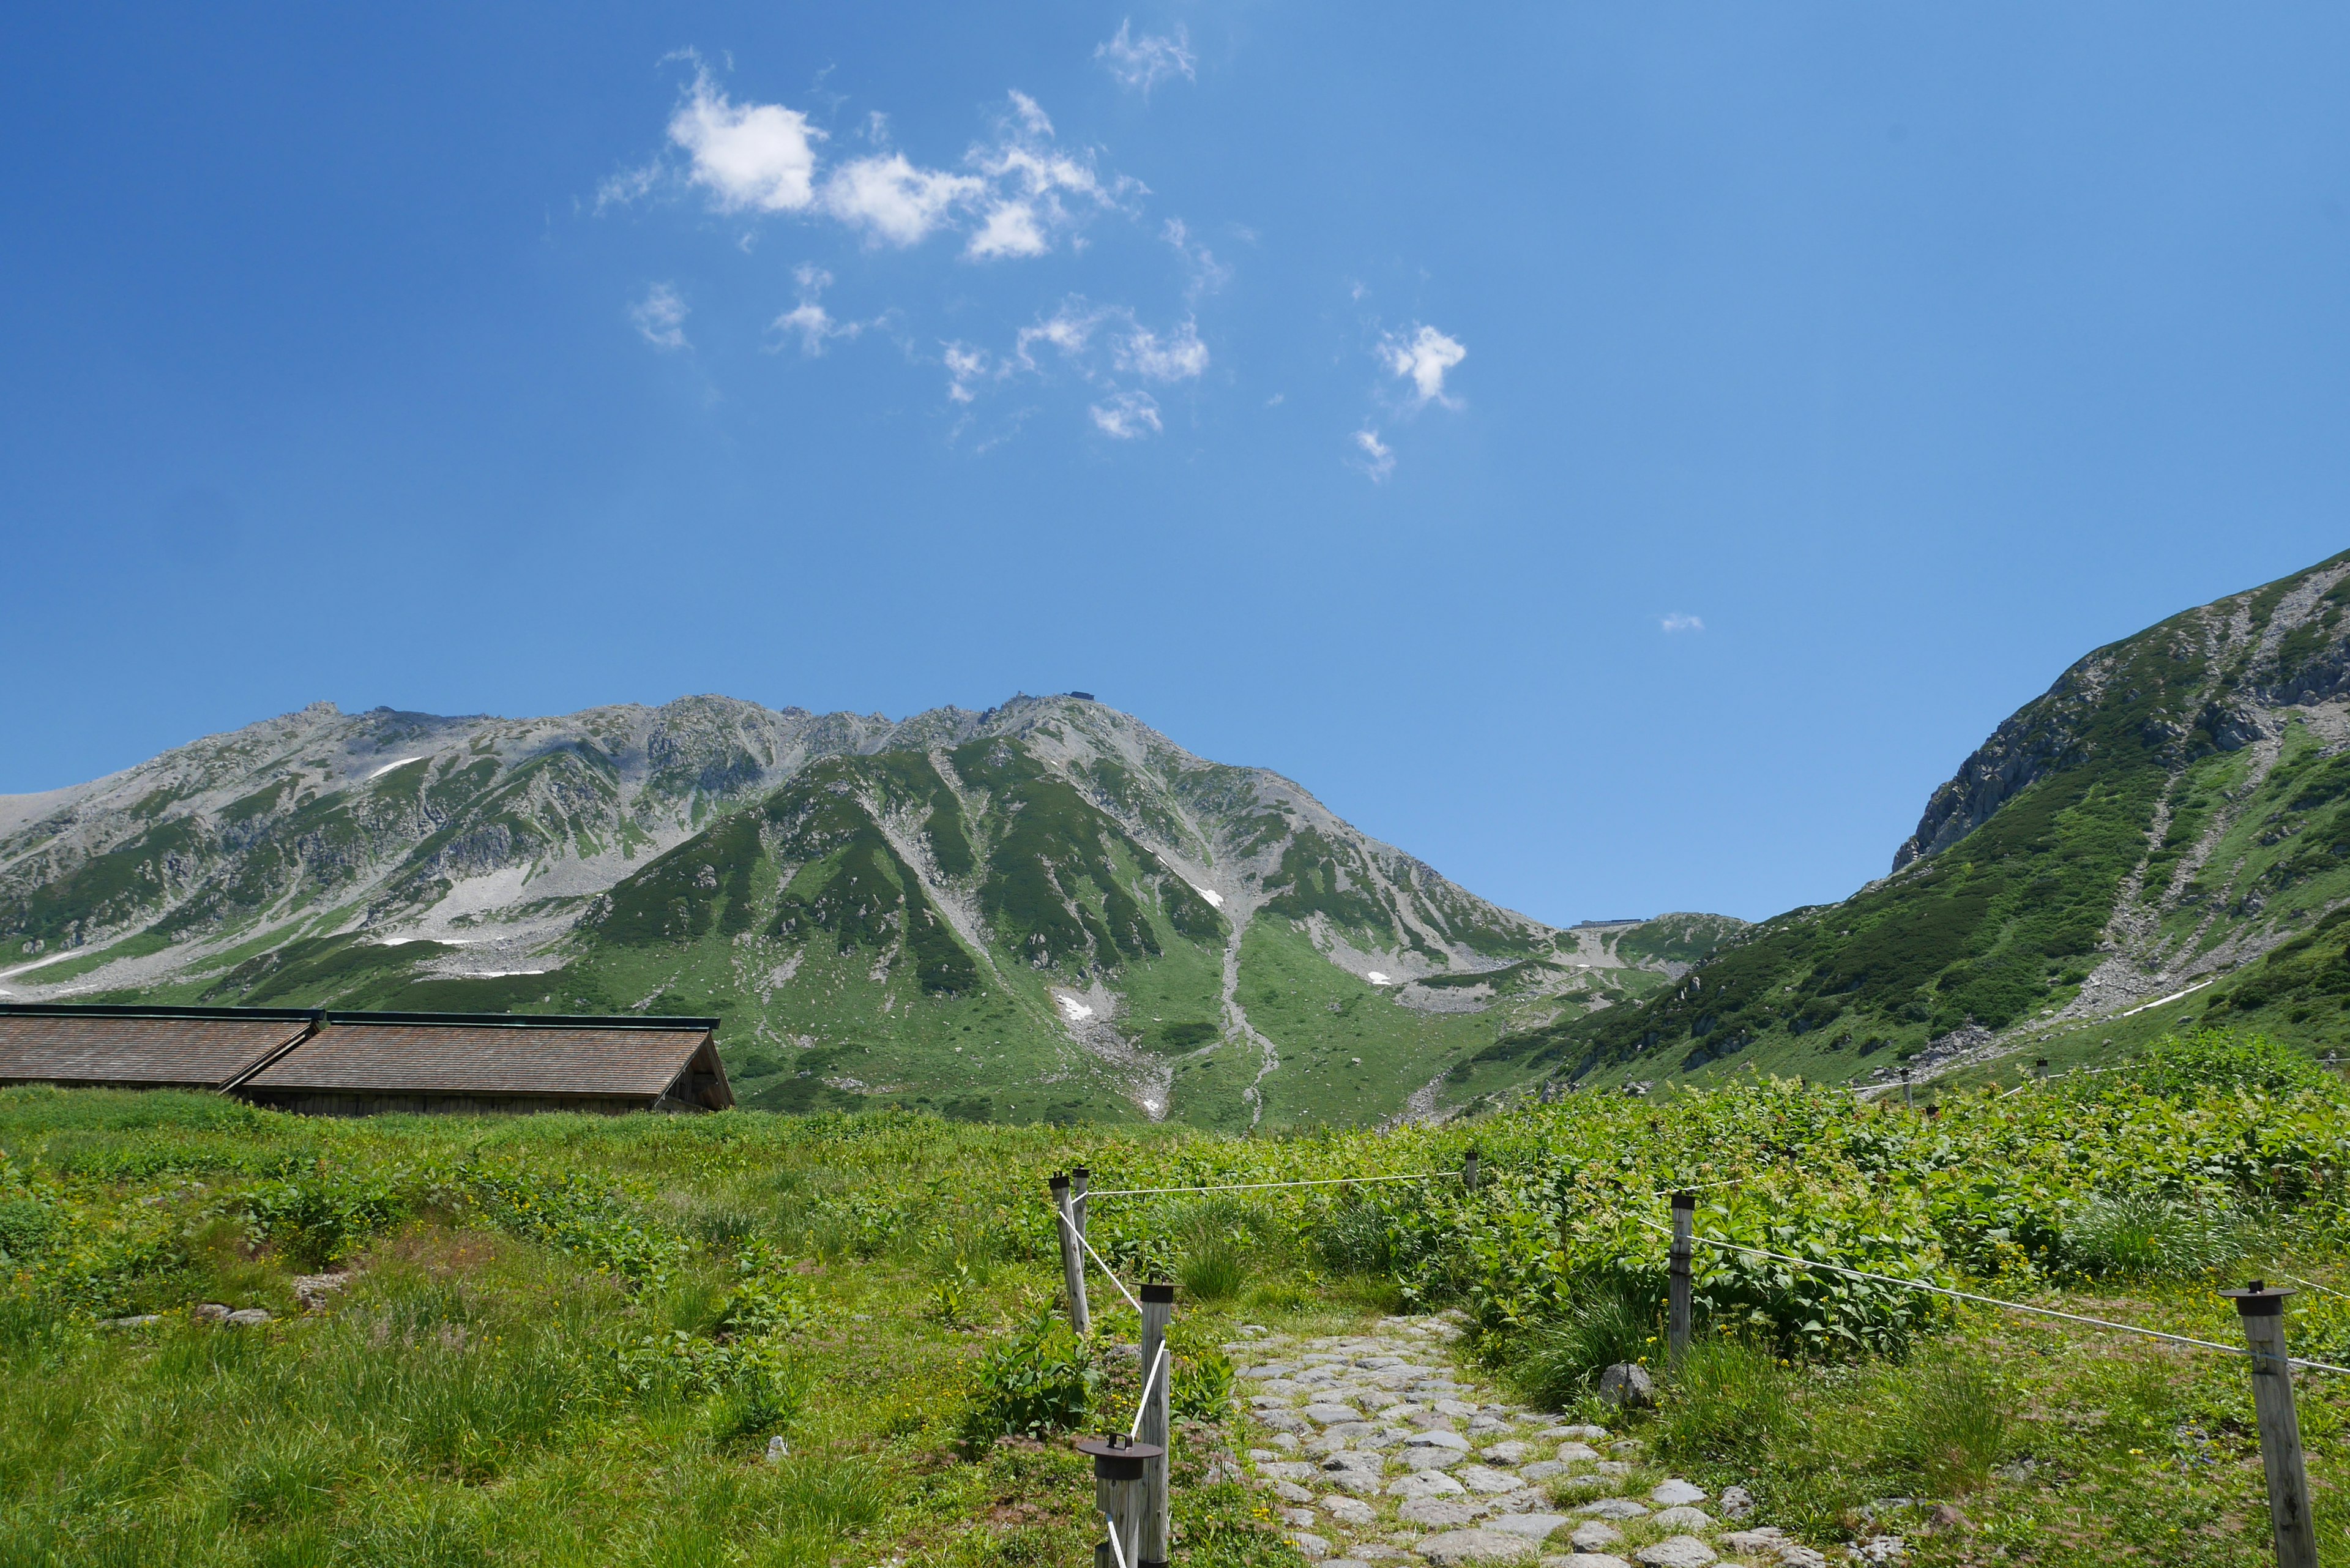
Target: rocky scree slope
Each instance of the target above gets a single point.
(1045, 911)
(2171, 820)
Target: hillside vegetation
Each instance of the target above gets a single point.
(1046, 911)
(562, 1340)
(2174, 812)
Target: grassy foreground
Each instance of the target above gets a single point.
(573, 1340)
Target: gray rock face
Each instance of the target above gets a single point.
(1685, 1518)
(1627, 1386)
(1543, 1470)
(1674, 1492)
(247, 1318)
(1437, 1513)
(1290, 1492)
(1676, 1552)
(1508, 1453)
(1350, 1510)
(1475, 1546)
(1429, 1459)
(1480, 1479)
(1736, 1503)
(1311, 1545)
(1325, 1414)
(1594, 1534)
(1284, 1421)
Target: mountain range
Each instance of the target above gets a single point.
(1046, 911)
(1049, 911)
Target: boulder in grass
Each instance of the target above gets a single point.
(1594, 1534)
(1466, 1546)
(1685, 1518)
(1573, 1451)
(1674, 1492)
(1350, 1510)
(1736, 1503)
(1508, 1453)
(1309, 1545)
(1628, 1386)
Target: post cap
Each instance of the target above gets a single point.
(1118, 1456)
(1060, 1182)
(1081, 1173)
(1685, 1200)
(2259, 1299)
(1158, 1290)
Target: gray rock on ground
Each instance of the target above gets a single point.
(1672, 1493)
(1594, 1534)
(1437, 1513)
(1532, 1526)
(1311, 1545)
(1431, 1483)
(1350, 1510)
(1615, 1508)
(1736, 1503)
(1585, 1559)
(1457, 1546)
(1628, 1386)
(1677, 1551)
(1683, 1517)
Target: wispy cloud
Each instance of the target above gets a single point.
(1677, 621)
(1378, 458)
(1126, 415)
(809, 319)
(1204, 274)
(1018, 194)
(1178, 356)
(660, 315)
(1142, 63)
(1422, 358)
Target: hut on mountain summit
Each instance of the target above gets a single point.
(369, 1064)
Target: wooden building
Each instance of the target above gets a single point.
(368, 1064)
(145, 1047)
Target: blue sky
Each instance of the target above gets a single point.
(1626, 455)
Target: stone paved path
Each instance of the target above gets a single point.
(1377, 1447)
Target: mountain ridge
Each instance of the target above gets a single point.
(854, 894)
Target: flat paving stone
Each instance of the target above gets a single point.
(1508, 1453)
(1438, 1514)
(1438, 1439)
(1593, 1534)
(1683, 1517)
(1615, 1508)
(1677, 1551)
(1475, 1546)
(1532, 1526)
(1432, 1483)
(1676, 1491)
(1485, 1479)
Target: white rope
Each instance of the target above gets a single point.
(1994, 1301)
(1261, 1186)
(1115, 1544)
(1096, 1256)
(1136, 1430)
(2313, 1284)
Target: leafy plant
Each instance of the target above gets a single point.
(1039, 1380)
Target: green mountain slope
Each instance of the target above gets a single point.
(2173, 814)
(1044, 911)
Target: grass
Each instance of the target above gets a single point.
(571, 1340)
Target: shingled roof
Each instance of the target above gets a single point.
(495, 1055)
(147, 1047)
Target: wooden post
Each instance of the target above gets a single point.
(1073, 1257)
(2040, 1069)
(1677, 1331)
(2262, 1310)
(1906, 1103)
(1079, 1177)
(1469, 1170)
(1157, 1311)
(1117, 1494)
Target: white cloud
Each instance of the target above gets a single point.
(894, 200)
(1172, 358)
(759, 157)
(1143, 63)
(1070, 329)
(1378, 458)
(660, 316)
(1423, 358)
(1680, 622)
(965, 365)
(1127, 416)
(809, 319)
(1011, 230)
